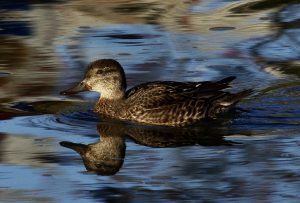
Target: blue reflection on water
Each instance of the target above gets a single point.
(263, 167)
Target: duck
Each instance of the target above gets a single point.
(163, 103)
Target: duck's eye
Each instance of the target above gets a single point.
(100, 71)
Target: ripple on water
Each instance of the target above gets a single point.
(178, 46)
(274, 111)
(77, 123)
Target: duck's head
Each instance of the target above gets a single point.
(105, 76)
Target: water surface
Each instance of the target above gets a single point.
(249, 155)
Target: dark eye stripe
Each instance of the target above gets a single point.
(110, 71)
(101, 71)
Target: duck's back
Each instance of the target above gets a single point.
(178, 103)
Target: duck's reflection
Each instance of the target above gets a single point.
(106, 156)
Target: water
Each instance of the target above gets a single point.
(251, 155)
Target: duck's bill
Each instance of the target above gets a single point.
(80, 148)
(81, 87)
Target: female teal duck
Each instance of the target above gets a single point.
(157, 103)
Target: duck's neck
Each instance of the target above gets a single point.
(112, 93)
(111, 107)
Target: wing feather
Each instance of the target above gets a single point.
(174, 103)
(161, 93)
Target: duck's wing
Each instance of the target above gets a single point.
(180, 87)
(161, 93)
(174, 103)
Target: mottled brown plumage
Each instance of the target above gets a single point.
(157, 103)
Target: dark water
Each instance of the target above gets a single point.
(251, 155)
